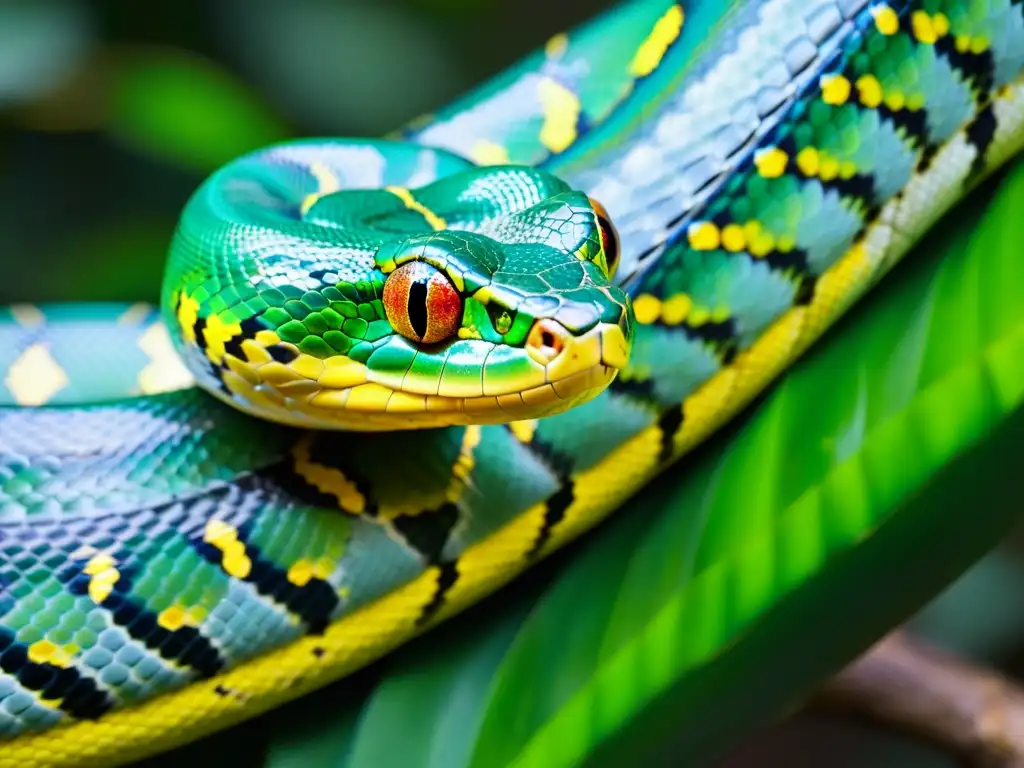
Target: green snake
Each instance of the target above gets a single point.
(170, 565)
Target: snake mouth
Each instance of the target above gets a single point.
(554, 371)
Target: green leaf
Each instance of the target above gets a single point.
(869, 478)
(877, 471)
(448, 692)
(186, 110)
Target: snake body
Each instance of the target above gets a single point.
(170, 565)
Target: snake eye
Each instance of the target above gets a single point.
(421, 303)
(609, 236)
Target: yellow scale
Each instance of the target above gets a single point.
(372, 631)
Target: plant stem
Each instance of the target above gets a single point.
(973, 711)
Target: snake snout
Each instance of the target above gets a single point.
(546, 341)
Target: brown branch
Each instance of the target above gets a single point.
(970, 710)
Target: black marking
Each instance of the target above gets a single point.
(336, 452)
(642, 390)
(805, 290)
(562, 466)
(325, 276)
(911, 124)
(327, 449)
(282, 474)
(689, 215)
(221, 384)
(314, 602)
(793, 262)
(927, 156)
(234, 693)
(448, 574)
(981, 133)
(670, 423)
(560, 463)
(186, 646)
(249, 327)
(416, 306)
(720, 333)
(977, 69)
(554, 513)
(722, 336)
(428, 532)
(869, 217)
(199, 331)
(860, 187)
(72, 692)
(282, 354)
(727, 353)
(319, 652)
(233, 347)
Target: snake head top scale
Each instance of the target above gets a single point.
(379, 285)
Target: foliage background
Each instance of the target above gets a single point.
(112, 112)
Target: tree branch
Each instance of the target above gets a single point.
(972, 711)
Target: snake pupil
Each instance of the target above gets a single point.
(421, 303)
(417, 306)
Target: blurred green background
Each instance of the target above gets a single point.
(112, 112)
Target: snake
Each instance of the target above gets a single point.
(388, 375)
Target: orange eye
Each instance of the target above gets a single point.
(609, 236)
(421, 303)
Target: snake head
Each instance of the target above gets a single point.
(483, 297)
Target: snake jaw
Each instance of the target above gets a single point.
(484, 297)
(556, 372)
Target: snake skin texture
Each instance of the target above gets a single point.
(169, 566)
(313, 326)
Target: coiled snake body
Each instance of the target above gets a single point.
(170, 565)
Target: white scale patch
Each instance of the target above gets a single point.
(426, 170)
(507, 106)
(930, 194)
(1009, 112)
(355, 167)
(700, 135)
(35, 376)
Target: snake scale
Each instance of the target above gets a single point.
(170, 565)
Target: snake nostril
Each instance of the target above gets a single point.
(546, 340)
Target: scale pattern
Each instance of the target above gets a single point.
(181, 596)
(298, 331)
